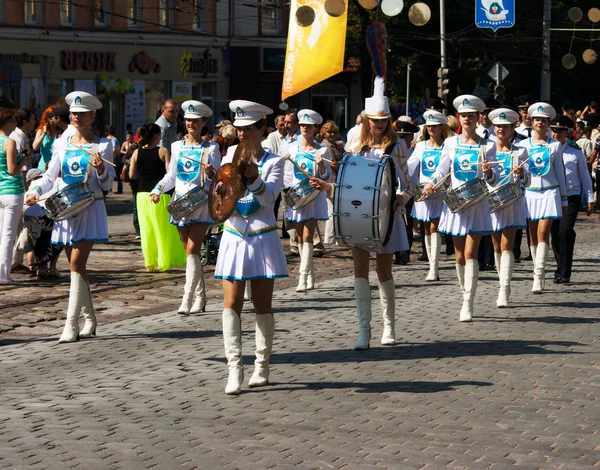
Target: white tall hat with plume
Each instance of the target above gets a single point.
(377, 106)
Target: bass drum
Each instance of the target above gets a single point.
(363, 201)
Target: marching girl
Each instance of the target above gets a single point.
(422, 164)
(308, 155)
(250, 250)
(79, 158)
(466, 157)
(193, 163)
(512, 168)
(546, 196)
(378, 138)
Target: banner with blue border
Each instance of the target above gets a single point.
(494, 14)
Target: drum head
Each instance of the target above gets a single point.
(387, 196)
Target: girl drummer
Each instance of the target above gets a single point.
(378, 138)
(466, 157)
(422, 164)
(309, 156)
(546, 196)
(250, 249)
(79, 158)
(193, 163)
(512, 169)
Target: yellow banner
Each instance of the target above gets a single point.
(315, 44)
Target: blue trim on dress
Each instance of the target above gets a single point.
(545, 217)
(471, 232)
(193, 222)
(509, 226)
(232, 278)
(425, 220)
(95, 240)
(306, 220)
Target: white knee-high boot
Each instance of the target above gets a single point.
(387, 297)
(199, 305)
(310, 266)
(539, 268)
(362, 292)
(232, 339)
(498, 262)
(460, 273)
(265, 328)
(303, 271)
(77, 291)
(506, 271)
(87, 310)
(471, 278)
(193, 270)
(434, 248)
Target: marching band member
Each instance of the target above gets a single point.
(377, 139)
(193, 163)
(547, 191)
(578, 182)
(308, 155)
(512, 167)
(423, 164)
(80, 158)
(250, 250)
(466, 157)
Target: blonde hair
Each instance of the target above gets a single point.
(453, 123)
(367, 138)
(446, 132)
(228, 132)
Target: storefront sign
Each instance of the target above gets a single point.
(182, 91)
(199, 64)
(90, 61)
(143, 63)
(135, 103)
(20, 58)
(273, 59)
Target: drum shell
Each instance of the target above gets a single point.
(466, 195)
(504, 196)
(188, 203)
(69, 201)
(418, 192)
(300, 195)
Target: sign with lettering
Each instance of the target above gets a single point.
(89, 61)
(273, 59)
(143, 63)
(200, 64)
(20, 58)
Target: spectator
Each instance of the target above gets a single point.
(48, 130)
(167, 122)
(585, 143)
(109, 133)
(229, 136)
(274, 139)
(592, 108)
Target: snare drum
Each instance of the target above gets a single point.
(466, 195)
(504, 196)
(363, 200)
(300, 195)
(69, 201)
(188, 203)
(418, 192)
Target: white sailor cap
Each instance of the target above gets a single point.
(541, 109)
(82, 102)
(248, 112)
(308, 116)
(468, 104)
(193, 109)
(377, 106)
(503, 116)
(434, 118)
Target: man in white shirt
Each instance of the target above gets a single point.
(275, 139)
(25, 125)
(485, 128)
(586, 143)
(354, 132)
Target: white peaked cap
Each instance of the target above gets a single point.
(82, 102)
(503, 116)
(434, 118)
(377, 107)
(193, 109)
(308, 116)
(248, 112)
(541, 109)
(468, 104)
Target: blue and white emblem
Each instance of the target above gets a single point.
(188, 170)
(495, 14)
(430, 162)
(539, 160)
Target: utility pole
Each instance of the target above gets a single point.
(408, 68)
(443, 62)
(545, 78)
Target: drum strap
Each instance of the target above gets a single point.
(204, 160)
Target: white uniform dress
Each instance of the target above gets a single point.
(515, 215)
(423, 163)
(547, 192)
(459, 159)
(250, 246)
(317, 209)
(91, 225)
(399, 238)
(185, 174)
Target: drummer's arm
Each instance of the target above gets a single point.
(441, 172)
(324, 170)
(106, 175)
(266, 191)
(168, 181)
(46, 182)
(490, 175)
(524, 163)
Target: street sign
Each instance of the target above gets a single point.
(494, 14)
(498, 72)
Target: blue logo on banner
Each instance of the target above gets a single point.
(495, 14)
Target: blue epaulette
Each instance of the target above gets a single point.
(572, 143)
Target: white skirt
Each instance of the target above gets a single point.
(89, 226)
(316, 210)
(543, 204)
(398, 239)
(475, 220)
(247, 258)
(428, 210)
(199, 216)
(513, 216)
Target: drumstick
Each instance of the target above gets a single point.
(194, 160)
(92, 154)
(442, 180)
(507, 177)
(300, 169)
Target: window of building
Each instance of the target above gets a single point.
(134, 13)
(33, 11)
(67, 13)
(271, 17)
(1, 11)
(164, 13)
(102, 12)
(198, 15)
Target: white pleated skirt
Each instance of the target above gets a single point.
(475, 220)
(316, 210)
(398, 239)
(428, 210)
(89, 226)
(513, 216)
(247, 258)
(543, 204)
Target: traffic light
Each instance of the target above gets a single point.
(499, 94)
(443, 82)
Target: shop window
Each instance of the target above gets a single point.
(1, 11)
(205, 92)
(101, 12)
(33, 11)
(164, 13)
(134, 13)
(331, 99)
(156, 93)
(67, 13)
(271, 17)
(198, 15)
